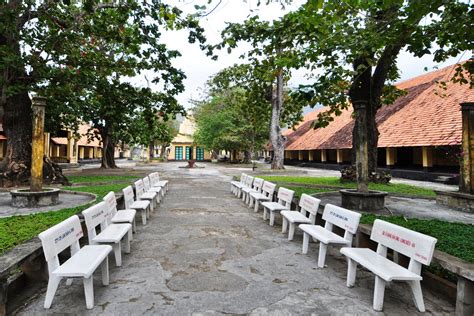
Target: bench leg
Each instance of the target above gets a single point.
(291, 233)
(417, 295)
(89, 292)
(284, 225)
(104, 266)
(305, 243)
(351, 272)
(143, 216)
(53, 284)
(244, 196)
(134, 225)
(69, 281)
(130, 234)
(272, 218)
(127, 241)
(256, 206)
(264, 213)
(379, 291)
(118, 253)
(322, 254)
(251, 201)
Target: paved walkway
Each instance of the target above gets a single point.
(204, 253)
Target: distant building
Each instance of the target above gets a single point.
(420, 131)
(66, 148)
(182, 146)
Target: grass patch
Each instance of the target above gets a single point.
(300, 190)
(456, 239)
(335, 182)
(15, 230)
(100, 178)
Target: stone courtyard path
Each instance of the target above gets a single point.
(204, 253)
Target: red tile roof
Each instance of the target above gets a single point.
(426, 116)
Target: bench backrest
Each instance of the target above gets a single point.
(154, 177)
(249, 181)
(59, 237)
(341, 217)
(416, 246)
(268, 189)
(111, 203)
(128, 197)
(146, 183)
(309, 204)
(285, 197)
(94, 216)
(243, 176)
(257, 184)
(139, 188)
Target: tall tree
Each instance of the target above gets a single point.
(352, 47)
(269, 47)
(44, 42)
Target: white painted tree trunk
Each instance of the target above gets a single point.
(276, 138)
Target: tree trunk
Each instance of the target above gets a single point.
(214, 154)
(16, 118)
(108, 150)
(360, 99)
(276, 138)
(151, 150)
(247, 156)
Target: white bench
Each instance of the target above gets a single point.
(416, 246)
(236, 185)
(333, 215)
(247, 186)
(256, 188)
(119, 216)
(156, 182)
(140, 194)
(113, 234)
(82, 264)
(266, 195)
(130, 203)
(285, 197)
(307, 204)
(149, 188)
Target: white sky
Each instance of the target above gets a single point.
(198, 67)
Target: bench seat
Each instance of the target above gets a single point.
(275, 206)
(295, 217)
(260, 196)
(141, 205)
(379, 265)
(154, 189)
(148, 196)
(84, 262)
(161, 183)
(124, 216)
(323, 235)
(112, 233)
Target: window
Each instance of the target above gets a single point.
(199, 153)
(189, 152)
(178, 153)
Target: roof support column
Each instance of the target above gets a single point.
(310, 155)
(390, 157)
(47, 144)
(323, 155)
(300, 155)
(427, 154)
(466, 183)
(340, 156)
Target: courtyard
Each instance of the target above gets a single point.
(203, 252)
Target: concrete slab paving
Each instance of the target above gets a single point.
(204, 253)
